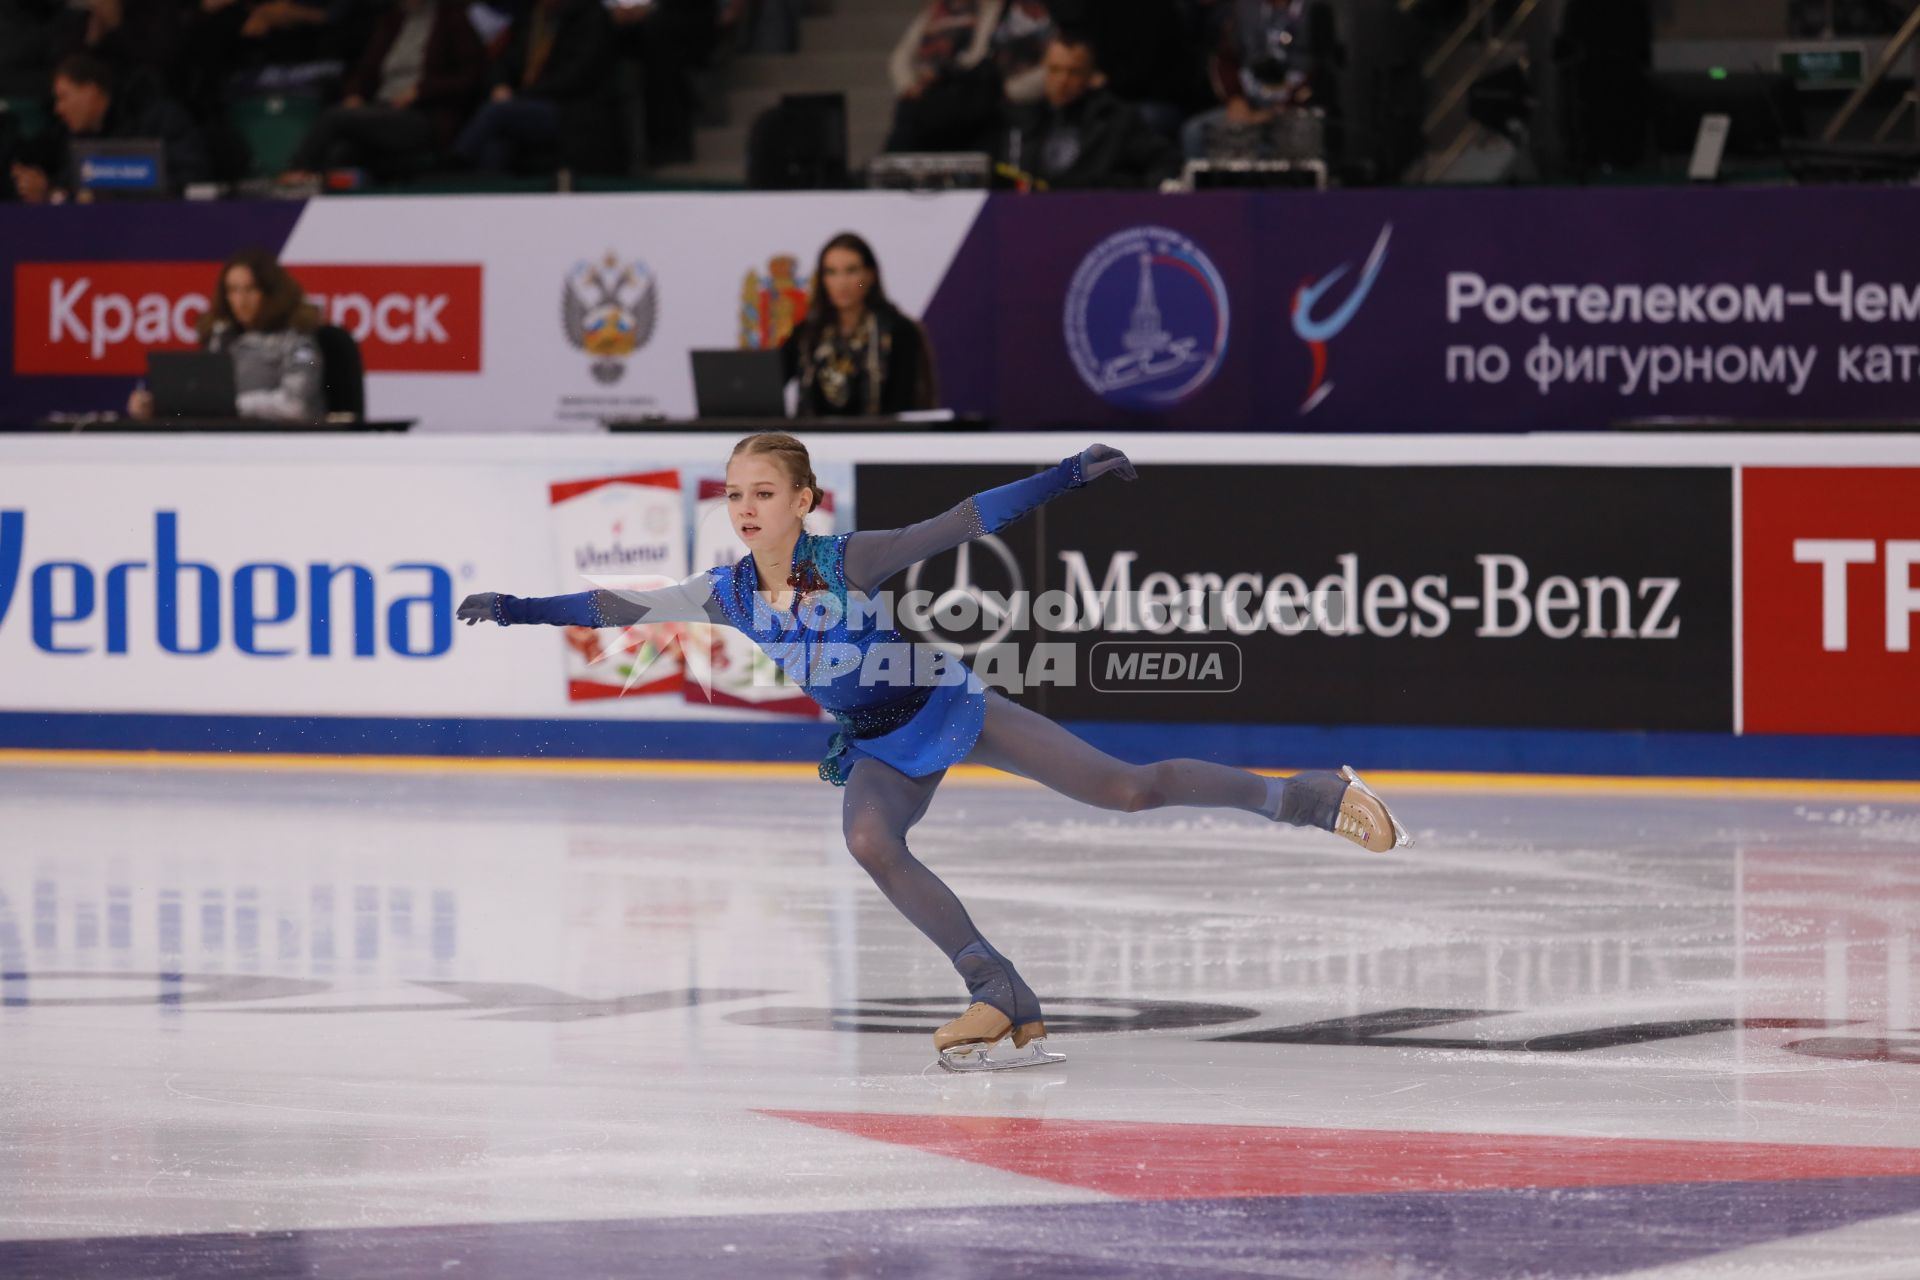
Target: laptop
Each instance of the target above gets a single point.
(119, 167)
(739, 384)
(191, 384)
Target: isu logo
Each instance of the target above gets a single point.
(101, 318)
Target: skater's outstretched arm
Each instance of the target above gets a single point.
(875, 555)
(690, 600)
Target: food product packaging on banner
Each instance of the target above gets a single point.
(612, 533)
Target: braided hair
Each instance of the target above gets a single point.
(789, 453)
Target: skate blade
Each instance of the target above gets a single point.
(985, 1057)
(1401, 836)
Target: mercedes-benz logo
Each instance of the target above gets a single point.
(964, 588)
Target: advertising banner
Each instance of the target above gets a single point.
(94, 318)
(476, 313)
(1506, 596)
(1830, 592)
(314, 588)
(1424, 310)
(1376, 311)
(621, 532)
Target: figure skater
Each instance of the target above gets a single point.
(806, 600)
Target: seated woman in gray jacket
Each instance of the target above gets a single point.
(261, 318)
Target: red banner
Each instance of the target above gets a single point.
(1830, 584)
(103, 317)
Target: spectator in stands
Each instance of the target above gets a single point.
(407, 96)
(274, 45)
(1019, 49)
(1149, 51)
(668, 40)
(1264, 66)
(262, 319)
(856, 354)
(555, 64)
(957, 65)
(139, 39)
(86, 105)
(1081, 135)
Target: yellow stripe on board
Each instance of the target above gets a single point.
(1512, 783)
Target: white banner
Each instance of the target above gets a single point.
(317, 588)
(591, 304)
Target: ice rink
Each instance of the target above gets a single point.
(572, 1022)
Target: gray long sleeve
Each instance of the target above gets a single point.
(875, 555)
(689, 600)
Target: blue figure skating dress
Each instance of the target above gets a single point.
(911, 705)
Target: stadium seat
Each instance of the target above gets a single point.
(28, 116)
(273, 126)
(799, 144)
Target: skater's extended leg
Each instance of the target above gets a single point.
(1025, 742)
(882, 804)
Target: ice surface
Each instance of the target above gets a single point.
(670, 1014)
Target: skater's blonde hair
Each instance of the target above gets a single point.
(789, 453)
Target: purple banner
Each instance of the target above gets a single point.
(1425, 310)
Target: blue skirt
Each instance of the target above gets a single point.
(939, 730)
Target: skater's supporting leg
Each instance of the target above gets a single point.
(882, 804)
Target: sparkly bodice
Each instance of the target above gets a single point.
(824, 641)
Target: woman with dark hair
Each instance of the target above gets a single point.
(856, 354)
(261, 319)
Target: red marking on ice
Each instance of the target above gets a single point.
(1141, 1161)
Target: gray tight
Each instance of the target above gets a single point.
(882, 804)
(1016, 740)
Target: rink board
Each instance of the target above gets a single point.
(1653, 604)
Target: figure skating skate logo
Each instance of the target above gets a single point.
(772, 303)
(1317, 333)
(608, 309)
(1147, 319)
